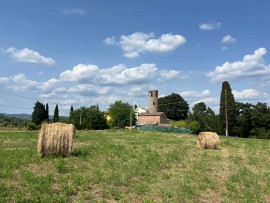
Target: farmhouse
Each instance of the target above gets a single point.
(153, 116)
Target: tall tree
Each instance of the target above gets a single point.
(89, 118)
(56, 114)
(71, 112)
(47, 111)
(174, 106)
(243, 119)
(119, 113)
(39, 114)
(227, 106)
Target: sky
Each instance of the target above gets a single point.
(90, 52)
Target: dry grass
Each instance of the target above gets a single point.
(208, 140)
(56, 139)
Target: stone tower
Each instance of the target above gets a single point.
(153, 101)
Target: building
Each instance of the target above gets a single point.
(153, 117)
(138, 111)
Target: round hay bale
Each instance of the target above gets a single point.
(208, 140)
(56, 139)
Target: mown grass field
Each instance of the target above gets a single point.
(133, 166)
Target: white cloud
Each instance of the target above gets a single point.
(88, 90)
(54, 93)
(228, 39)
(48, 85)
(20, 83)
(252, 66)
(210, 26)
(110, 41)
(166, 43)
(116, 75)
(135, 44)
(73, 11)
(194, 97)
(195, 94)
(172, 74)
(30, 56)
(249, 94)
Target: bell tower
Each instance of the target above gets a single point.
(153, 101)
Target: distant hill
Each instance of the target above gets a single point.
(21, 116)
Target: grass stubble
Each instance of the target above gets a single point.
(134, 166)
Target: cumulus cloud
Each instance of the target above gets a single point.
(135, 44)
(30, 56)
(252, 67)
(172, 74)
(88, 89)
(228, 39)
(249, 94)
(116, 75)
(19, 82)
(54, 93)
(210, 26)
(73, 11)
(194, 97)
(194, 94)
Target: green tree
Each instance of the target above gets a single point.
(119, 113)
(89, 118)
(243, 124)
(47, 111)
(174, 107)
(71, 112)
(56, 114)
(205, 116)
(260, 121)
(39, 114)
(227, 96)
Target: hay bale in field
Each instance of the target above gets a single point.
(56, 139)
(208, 140)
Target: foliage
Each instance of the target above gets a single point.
(119, 113)
(32, 126)
(47, 111)
(179, 124)
(174, 107)
(88, 118)
(252, 120)
(195, 126)
(39, 114)
(56, 114)
(12, 122)
(71, 112)
(226, 94)
(205, 116)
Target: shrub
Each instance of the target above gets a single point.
(195, 126)
(32, 126)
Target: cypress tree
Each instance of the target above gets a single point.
(71, 111)
(56, 114)
(226, 95)
(39, 113)
(47, 111)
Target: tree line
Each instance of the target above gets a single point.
(234, 118)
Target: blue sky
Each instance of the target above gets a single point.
(86, 52)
